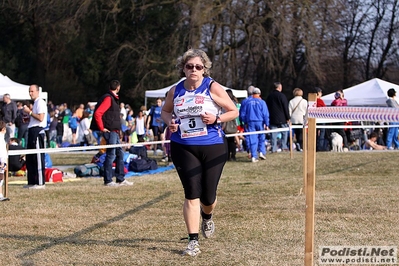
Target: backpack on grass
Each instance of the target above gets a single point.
(143, 164)
(53, 175)
(140, 151)
(89, 169)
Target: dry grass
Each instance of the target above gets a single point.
(259, 218)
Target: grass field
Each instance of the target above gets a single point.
(260, 217)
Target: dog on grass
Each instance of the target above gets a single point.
(336, 141)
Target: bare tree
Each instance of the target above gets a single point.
(386, 46)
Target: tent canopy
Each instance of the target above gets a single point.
(16, 90)
(369, 93)
(161, 92)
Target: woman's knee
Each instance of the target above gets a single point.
(208, 201)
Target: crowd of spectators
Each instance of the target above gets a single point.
(66, 126)
(281, 113)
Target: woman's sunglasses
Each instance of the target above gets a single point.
(191, 66)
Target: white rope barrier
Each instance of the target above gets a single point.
(371, 114)
(99, 147)
(80, 148)
(386, 114)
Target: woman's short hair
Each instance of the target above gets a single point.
(297, 92)
(192, 53)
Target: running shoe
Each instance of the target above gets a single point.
(207, 227)
(192, 248)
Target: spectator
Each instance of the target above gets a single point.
(166, 136)
(297, 108)
(66, 115)
(323, 133)
(371, 143)
(392, 136)
(256, 118)
(52, 132)
(238, 123)
(90, 109)
(35, 163)
(250, 90)
(131, 124)
(47, 130)
(79, 111)
(86, 136)
(9, 115)
(230, 127)
(340, 101)
(130, 119)
(50, 107)
(155, 123)
(15, 162)
(73, 125)
(140, 126)
(23, 122)
(60, 127)
(106, 119)
(279, 115)
(166, 146)
(123, 110)
(125, 130)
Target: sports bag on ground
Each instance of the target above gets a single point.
(140, 151)
(143, 164)
(53, 175)
(89, 169)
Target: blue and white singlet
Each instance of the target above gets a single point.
(188, 105)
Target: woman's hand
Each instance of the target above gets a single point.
(173, 126)
(208, 119)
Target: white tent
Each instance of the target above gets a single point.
(16, 90)
(369, 93)
(161, 92)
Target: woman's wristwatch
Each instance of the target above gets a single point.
(217, 120)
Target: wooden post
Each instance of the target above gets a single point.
(305, 156)
(310, 186)
(291, 149)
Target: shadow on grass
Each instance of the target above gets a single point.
(325, 171)
(75, 237)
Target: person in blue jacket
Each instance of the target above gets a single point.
(255, 116)
(250, 90)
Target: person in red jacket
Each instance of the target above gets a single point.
(340, 101)
(106, 119)
(322, 137)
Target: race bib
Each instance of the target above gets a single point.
(192, 127)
